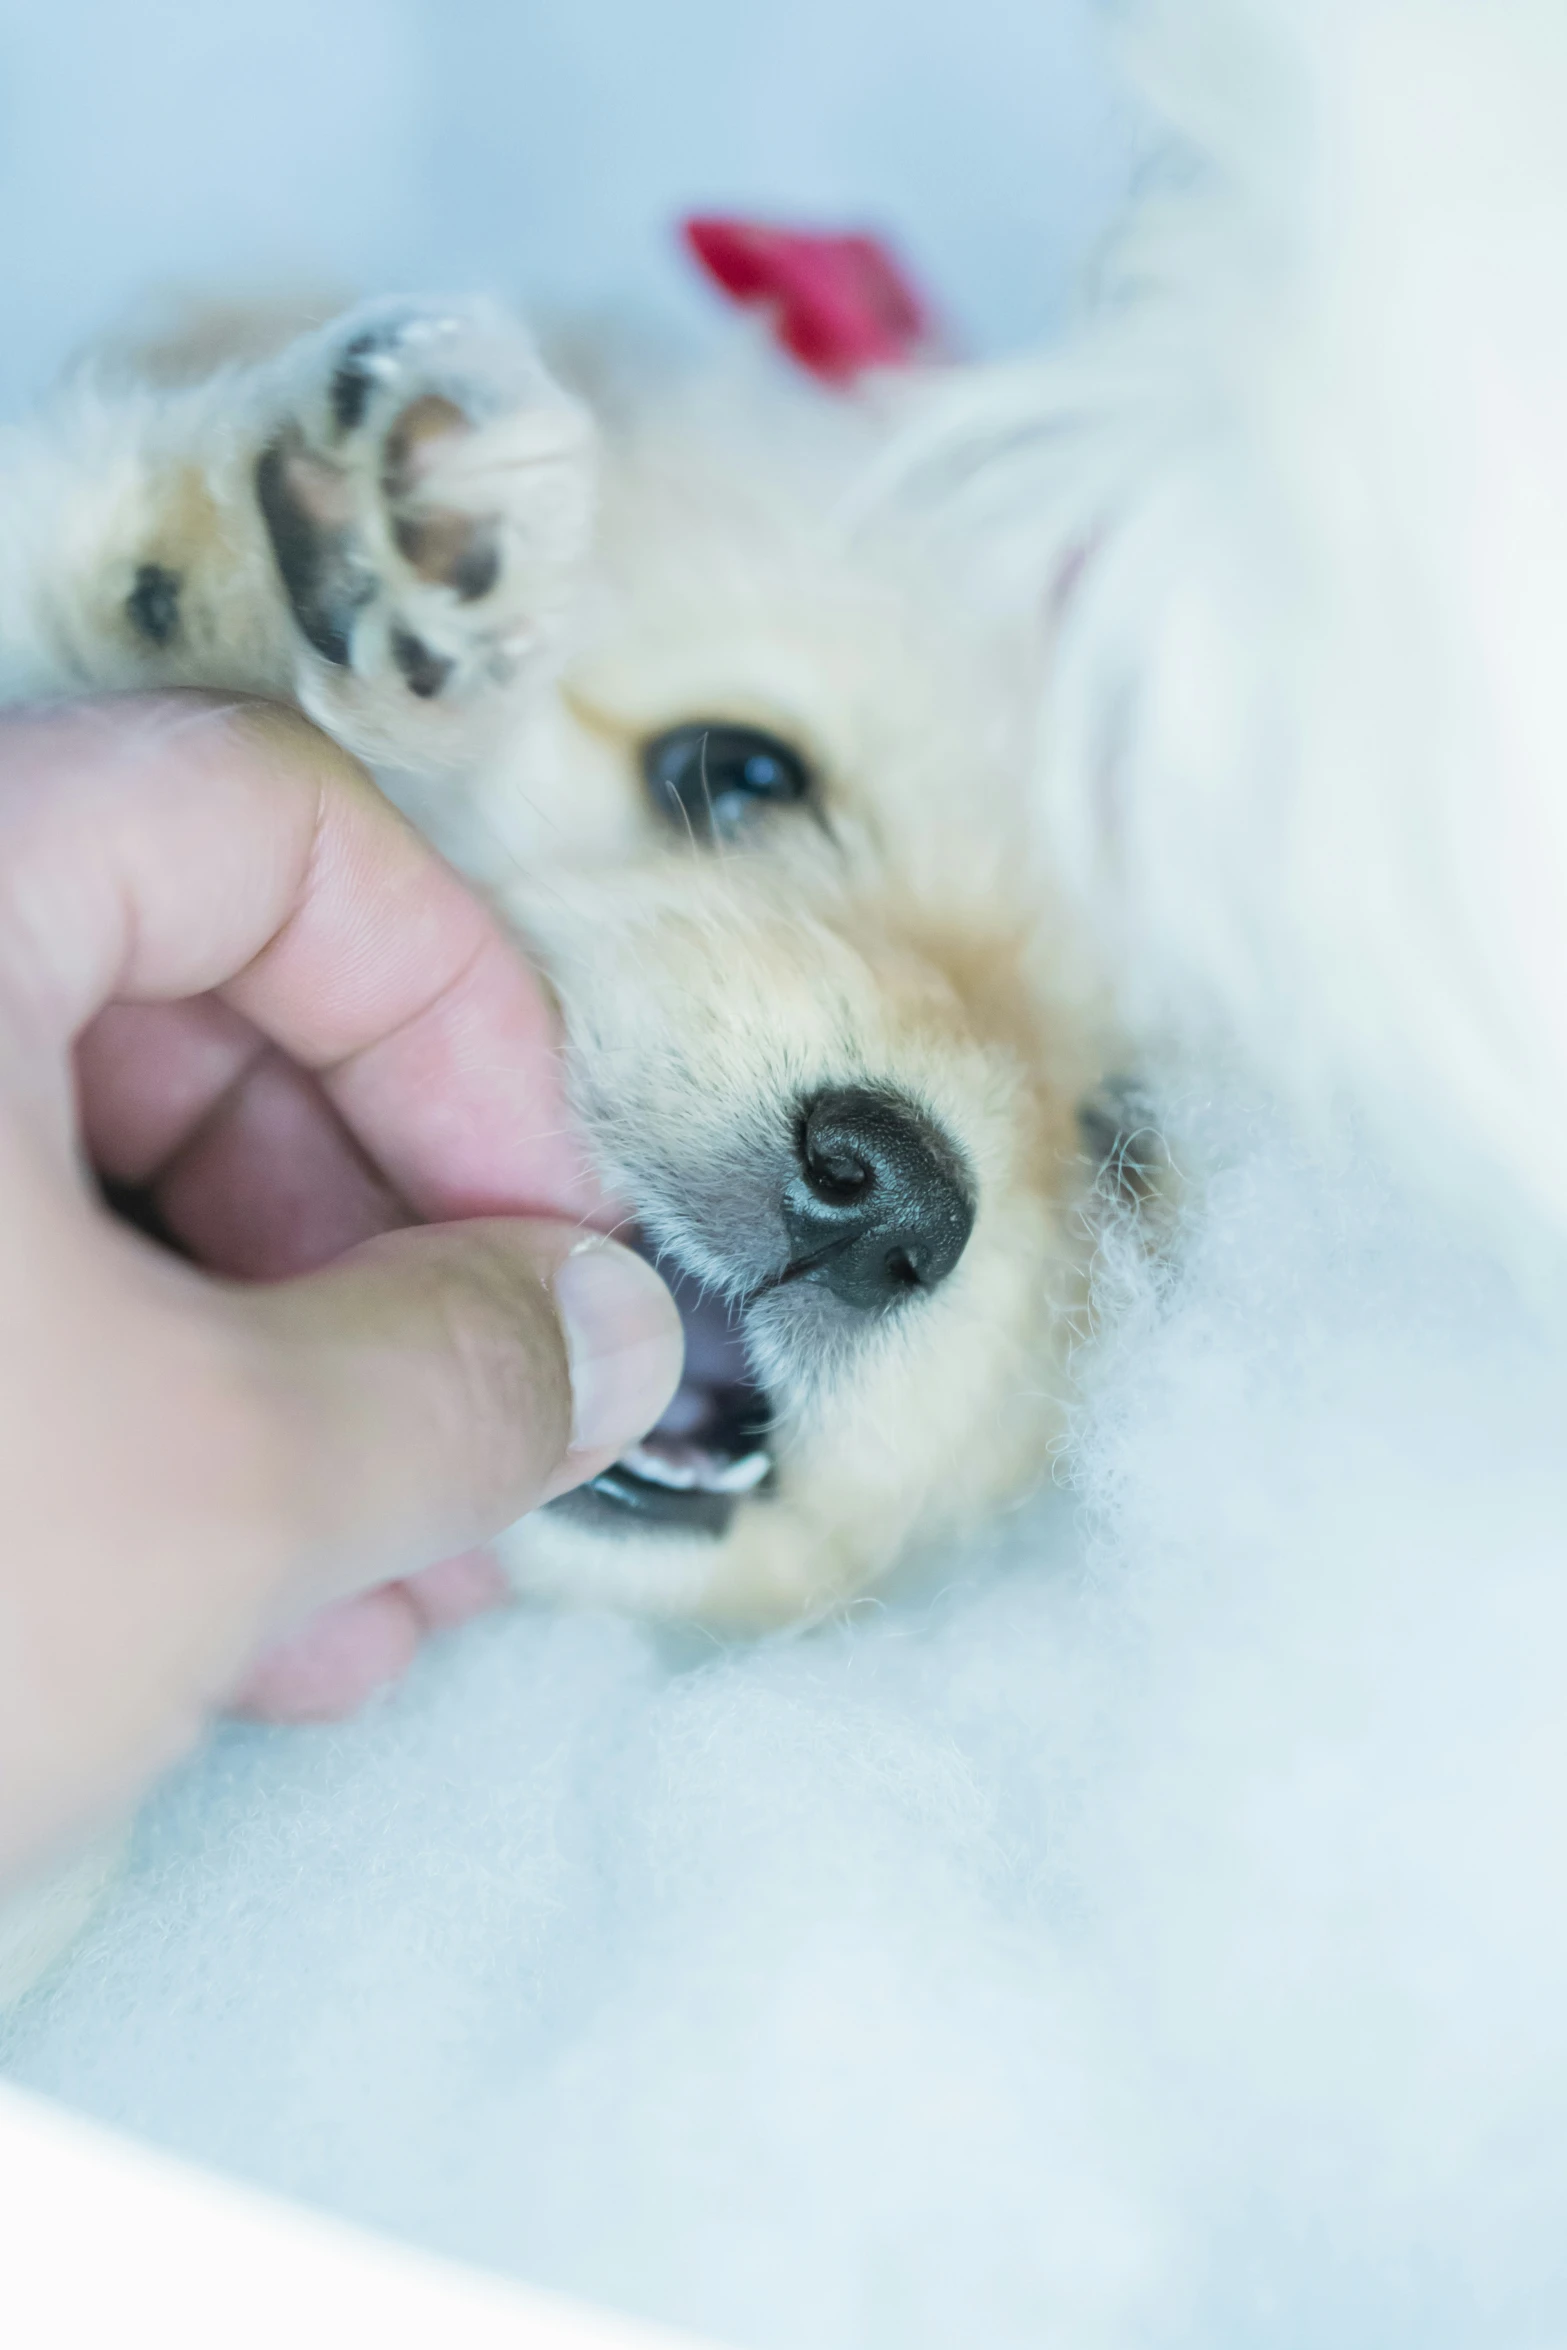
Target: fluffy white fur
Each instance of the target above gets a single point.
(1298, 491)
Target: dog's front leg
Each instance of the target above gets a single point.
(131, 549)
(385, 524)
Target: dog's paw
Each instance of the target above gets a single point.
(427, 495)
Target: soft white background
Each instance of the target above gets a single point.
(544, 146)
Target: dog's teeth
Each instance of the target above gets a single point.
(676, 1470)
(740, 1476)
(691, 1468)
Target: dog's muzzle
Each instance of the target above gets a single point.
(863, 1207)
(879, 1205)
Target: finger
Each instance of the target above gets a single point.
(458, 1588)
(333, 1664)
(149, 1075)
(272, 1183)
(438, 1384)
(163, 847)
(249, 1166)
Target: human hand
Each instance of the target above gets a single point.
(230, 975)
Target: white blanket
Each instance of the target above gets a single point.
(1152, 1933)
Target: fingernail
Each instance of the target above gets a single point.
(623, 1341)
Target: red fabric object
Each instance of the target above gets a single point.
(839, 304)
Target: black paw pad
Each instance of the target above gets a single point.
(422, 424)
(325, 580)
(451, 550)
(355, 376)
(478, 567)
(425, 671)
(153, 605)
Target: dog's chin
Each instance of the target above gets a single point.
(712, 1450)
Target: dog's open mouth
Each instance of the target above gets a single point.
(712, 1446)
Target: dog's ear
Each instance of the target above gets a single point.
(1123, 1145)
(838, 304)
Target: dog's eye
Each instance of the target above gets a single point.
(710, 778)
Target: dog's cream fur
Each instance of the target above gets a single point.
(665, 554)
(1298, 490)
(666, 551)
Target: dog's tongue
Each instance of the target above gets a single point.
(711, 1438)
(716, 1369)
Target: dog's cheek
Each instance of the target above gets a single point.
(961, 1416)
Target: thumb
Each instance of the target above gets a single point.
(439, 1383)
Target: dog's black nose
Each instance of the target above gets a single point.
(881, 1205)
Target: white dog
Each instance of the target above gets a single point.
(749, 783)
(1296, 494)
(750, 789)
